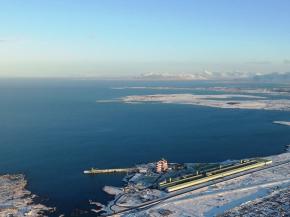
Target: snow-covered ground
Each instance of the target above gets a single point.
(207, 201)
(276, 204)
(217, 101)
(15, 200)
(286, 123)
(219, 198)
(226, 97)
(112, 190)
(215, 200)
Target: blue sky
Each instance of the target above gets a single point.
(130, 37)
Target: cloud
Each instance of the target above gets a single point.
(286, 61)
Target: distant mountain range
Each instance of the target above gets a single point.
(273, 77)
(206, 75)
(168, 76)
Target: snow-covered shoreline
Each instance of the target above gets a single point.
(16, 200)
(286, 123)
(228, 101)
(209, 201)
(224, 196)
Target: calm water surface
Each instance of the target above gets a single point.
(51, 130)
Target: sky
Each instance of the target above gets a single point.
(72, 38)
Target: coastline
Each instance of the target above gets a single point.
(223, 101)
(219, 199)
(16, 200)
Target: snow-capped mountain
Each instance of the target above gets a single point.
(207, 75)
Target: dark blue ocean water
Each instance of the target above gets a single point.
(51, 130)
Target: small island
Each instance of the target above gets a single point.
(224, 101)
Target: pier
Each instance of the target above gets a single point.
(116, 170)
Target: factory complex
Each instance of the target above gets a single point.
(170, 177)
(151, 183)
(210, 173)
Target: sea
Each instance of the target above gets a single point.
(54, 129)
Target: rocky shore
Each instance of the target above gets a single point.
(16, 200)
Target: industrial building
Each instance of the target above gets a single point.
(211, 174)
(161, 166)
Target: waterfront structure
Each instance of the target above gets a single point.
(117, 170)
(161, 166)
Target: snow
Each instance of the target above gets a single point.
(112, 190)
(231, 90)
(275, 204)
(217, 101)
(16, 200)
(286, 123)
(211, 201)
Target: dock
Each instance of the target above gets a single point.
(116, 170)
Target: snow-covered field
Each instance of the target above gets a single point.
(217, 101)
(215, 200)
(276, 204)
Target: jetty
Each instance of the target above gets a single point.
(116, 170)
